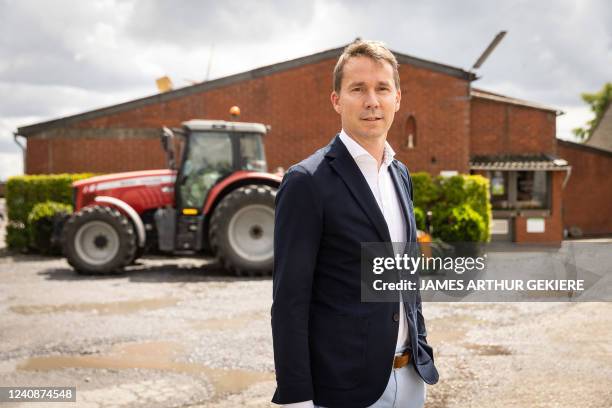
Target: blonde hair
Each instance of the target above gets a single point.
(375, 50)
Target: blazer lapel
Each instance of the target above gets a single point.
(344, 164)
(400, 182)
(402, 192)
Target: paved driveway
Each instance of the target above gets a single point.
(180, 332)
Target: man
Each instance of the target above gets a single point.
(331, 349)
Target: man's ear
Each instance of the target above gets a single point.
(335, 100)
(398, 99)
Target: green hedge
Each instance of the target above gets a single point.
(419, 216)
(460, 206)
(24, 192)
(41, 222)
(459, 224)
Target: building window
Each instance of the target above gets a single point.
(519, 190)
(531, 189)
(410, 133)
(499, 189)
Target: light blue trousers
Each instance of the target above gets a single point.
(405, 389)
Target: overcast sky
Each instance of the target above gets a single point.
(63, 57)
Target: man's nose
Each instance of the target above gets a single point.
(371, 99)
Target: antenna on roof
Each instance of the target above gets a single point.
(483, 57)
(210, 57)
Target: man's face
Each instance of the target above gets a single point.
(368, 99)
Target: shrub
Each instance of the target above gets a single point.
(425, 191)
(42, 221)
(419, 216)
(454, 199)
(24, 192)
(458, 224)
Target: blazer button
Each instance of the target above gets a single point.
(396, 317)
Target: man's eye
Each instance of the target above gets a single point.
(356, 89)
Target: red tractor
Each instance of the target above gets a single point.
(219, 202)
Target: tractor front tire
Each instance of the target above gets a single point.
(241, 231)
(98, 240)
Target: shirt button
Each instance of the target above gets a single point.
(396, 317)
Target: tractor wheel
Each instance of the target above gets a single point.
(98, 240)
(241, 230)
(140, 251)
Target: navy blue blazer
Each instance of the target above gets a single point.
(328, 345)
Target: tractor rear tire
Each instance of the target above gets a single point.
(241, 230)
(98, 240)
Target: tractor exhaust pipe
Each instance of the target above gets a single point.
(167, 142)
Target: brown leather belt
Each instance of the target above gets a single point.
(401, 360)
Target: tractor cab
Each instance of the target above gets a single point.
(211, 151)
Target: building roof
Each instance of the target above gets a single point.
(481, 93)
(232, 79)
(517, 162)
(601, 137)
(584, 147)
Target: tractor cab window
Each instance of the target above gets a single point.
(208, 158)
(252, 156)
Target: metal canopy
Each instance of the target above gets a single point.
(518, 162)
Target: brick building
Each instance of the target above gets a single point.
(444, 125)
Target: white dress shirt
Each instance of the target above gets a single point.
(388, 201)
(383, 189)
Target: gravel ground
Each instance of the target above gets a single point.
(181, 333)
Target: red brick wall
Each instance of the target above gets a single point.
(37, 157)
(296, 104)
(553, 224)
(503, 128)
(587, 198)
(441, 108)
(93, 155)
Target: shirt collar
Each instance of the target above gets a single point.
(356, 150)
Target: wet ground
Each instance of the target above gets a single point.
(179, 332)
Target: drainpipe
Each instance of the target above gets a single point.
(568, 173)
(23, 149)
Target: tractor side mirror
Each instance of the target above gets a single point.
(167, 142)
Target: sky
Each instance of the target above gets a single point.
(64, 57)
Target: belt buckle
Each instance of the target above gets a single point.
(402, 360)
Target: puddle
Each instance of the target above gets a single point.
(109, 308)
(489, 349)
(152, 356)
(546, 294)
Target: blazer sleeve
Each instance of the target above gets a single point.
(421, 328)
(297, 233)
